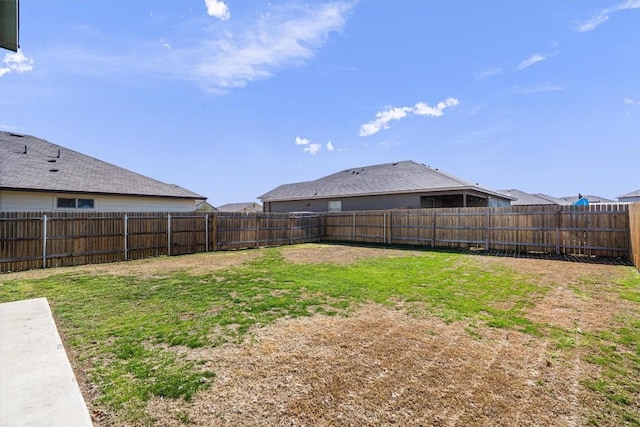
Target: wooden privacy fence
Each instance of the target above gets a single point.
(31, 240)
(634, 233)
(595, 230)
(41, 240)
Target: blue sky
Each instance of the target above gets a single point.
(231, 99)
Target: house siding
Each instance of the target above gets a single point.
(20, 201)
(387, 201)
(629, 199)
(348, 203)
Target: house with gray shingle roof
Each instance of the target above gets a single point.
(398, 185)
(590, 197)
(247, 207)
(527, 199)
(37, 175)
(631, 197)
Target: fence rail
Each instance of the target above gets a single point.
(31, 240)
(597, 230)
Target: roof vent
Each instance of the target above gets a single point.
(25, 150)
(17, 135)
(51, 160)
(54, 170)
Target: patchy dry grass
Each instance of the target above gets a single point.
(315, 335)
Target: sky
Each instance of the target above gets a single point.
(232, 99)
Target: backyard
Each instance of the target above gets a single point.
(331, 335)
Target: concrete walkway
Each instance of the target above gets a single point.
(37, 384)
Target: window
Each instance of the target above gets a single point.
(68, 203)
(335, 206)
(85, 203)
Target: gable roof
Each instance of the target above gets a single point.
(556, 200)
(30, 163)
(629, 195)
(237, 207)
(590, 197)
(388, 178)
(525, 199)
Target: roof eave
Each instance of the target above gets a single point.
(102, 193)
(382, 193)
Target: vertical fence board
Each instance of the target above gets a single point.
(634, 233)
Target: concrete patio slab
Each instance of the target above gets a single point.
(37, 384)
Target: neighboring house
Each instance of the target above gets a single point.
(634, 196)
(247, 207)
(405, 184)
(590, 197)
(36, 175)
(204, 206)
(527, 199)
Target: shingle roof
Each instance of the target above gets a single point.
(30, 163)
(388, 178)
(632, 194)
(523, 198)
(237, 207)
(590, 197)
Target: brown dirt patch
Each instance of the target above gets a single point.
(194, 264)
(580, 297)
(337, 254)
(382, 367)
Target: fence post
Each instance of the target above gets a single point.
(488, 230)
(206, 232)
(433, 229)
(384, 227)
(257, 230)
(353, 228)
(214, 232)
(168, 234)
(390, 227)
(290, 229)
(558, 219)
(44, 241)
(126, 237)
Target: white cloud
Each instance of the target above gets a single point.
(16, 62)
(420, 109)
(630, 101)
(302, 141)
(489, 72)
(329, 146)
(217, 9)
(219, 58)
(535, 58)
(288, 36)
(312, 148)
(382, 120)
(545, 87)
(604, 14)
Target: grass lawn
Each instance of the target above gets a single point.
(169, 341)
